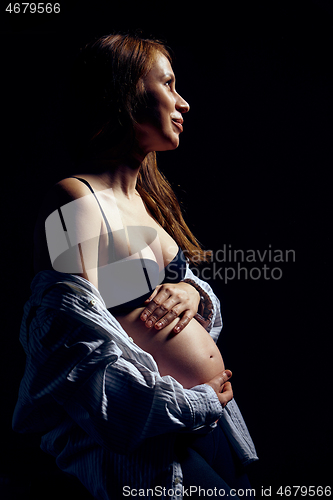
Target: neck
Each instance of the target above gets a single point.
(120, 174)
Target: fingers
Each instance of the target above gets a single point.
(164, 308)
(164, 320)
(154, 311)
(157, 298)
(184, 321)
(222, 387)
(226, 395)
(161, 317)
(152, 295)
(219, 380)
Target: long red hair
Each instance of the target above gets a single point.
(107, 92)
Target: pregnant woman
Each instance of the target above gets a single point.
(119, 334)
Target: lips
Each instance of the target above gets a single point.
(178, 122)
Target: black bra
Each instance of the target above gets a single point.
(174, 272)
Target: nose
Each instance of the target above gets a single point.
(181, 105)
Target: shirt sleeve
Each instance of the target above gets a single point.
(112, 395)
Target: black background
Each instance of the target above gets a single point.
(252, 172)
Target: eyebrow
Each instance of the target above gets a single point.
(169, 75)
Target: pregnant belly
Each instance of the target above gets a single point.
(191, 356)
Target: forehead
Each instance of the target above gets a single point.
(160, 67)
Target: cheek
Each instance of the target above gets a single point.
(157, 122)
(156, 115)
(155, 130)
(158, 110)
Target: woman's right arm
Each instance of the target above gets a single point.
(120, 406)
(112, 394)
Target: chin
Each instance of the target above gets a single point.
(169, 145)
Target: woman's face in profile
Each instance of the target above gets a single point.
(160, 123)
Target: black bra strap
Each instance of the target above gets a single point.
(108, 227)
(111, 243)
(101, 209)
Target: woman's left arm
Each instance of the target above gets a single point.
(190, 298)
(169, 301)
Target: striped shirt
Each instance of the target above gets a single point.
(98, 400)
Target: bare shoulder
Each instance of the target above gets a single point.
(67, 190)
(84, 214)
(62, 193)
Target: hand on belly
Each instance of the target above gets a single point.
(191, 356)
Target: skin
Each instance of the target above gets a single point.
(159, 131)
(171, 307)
